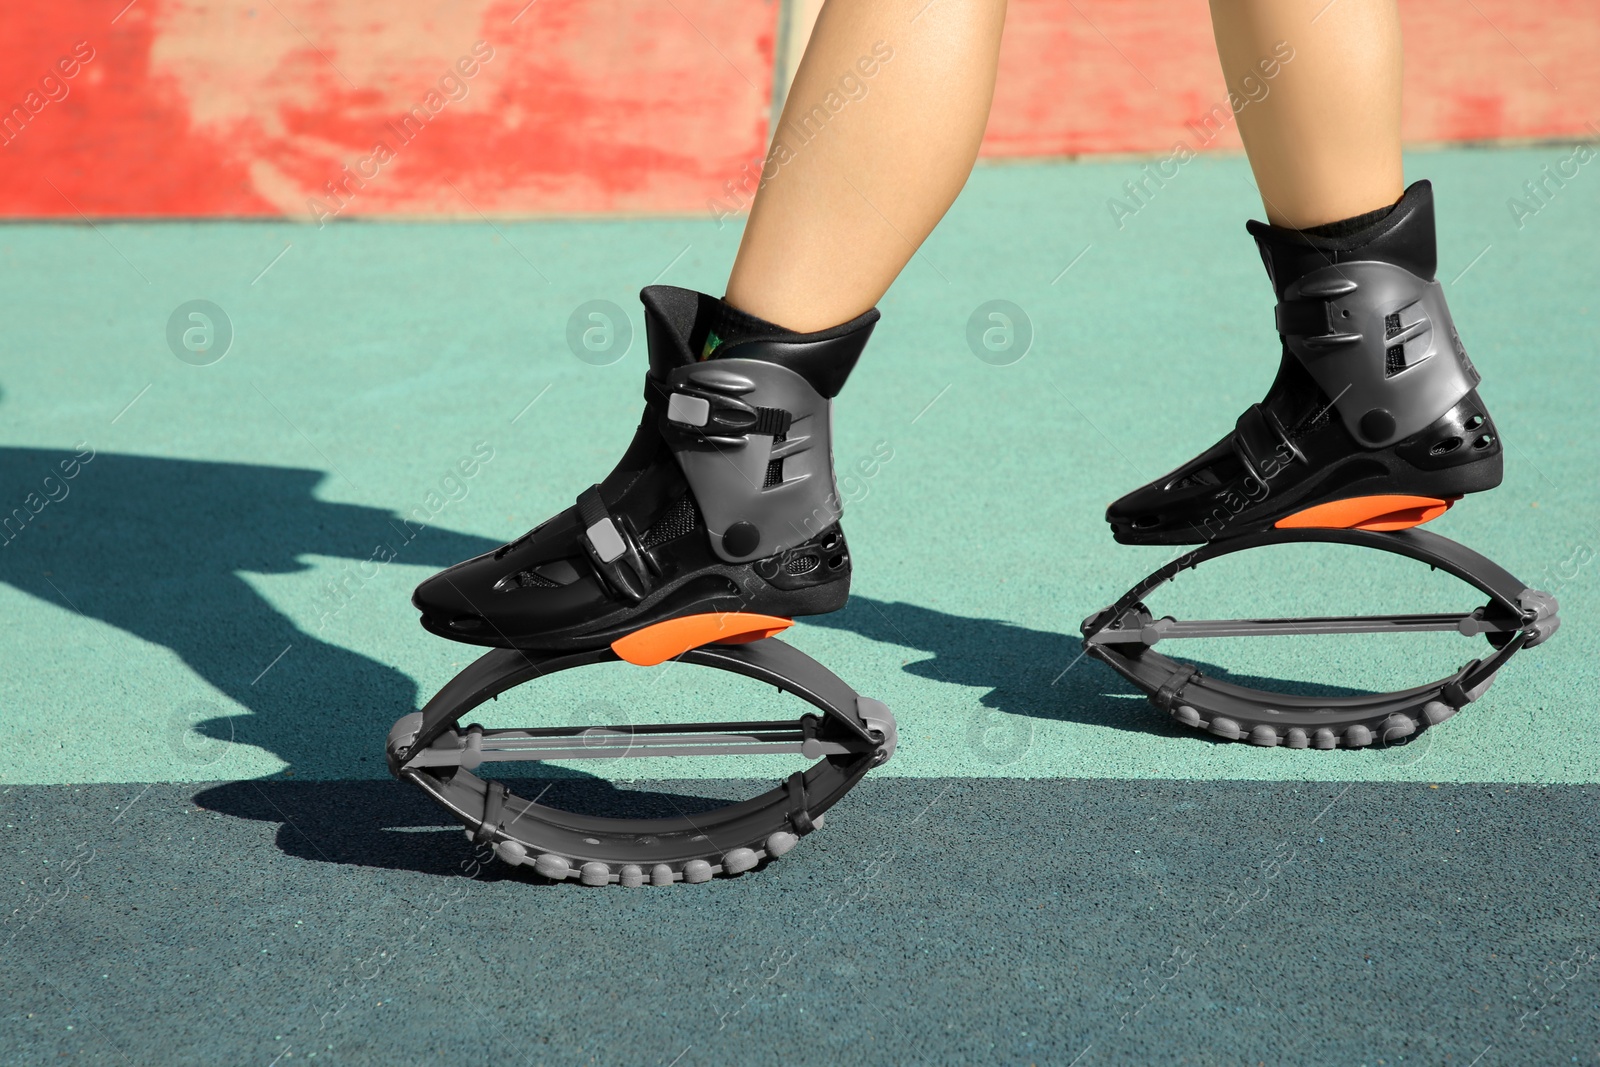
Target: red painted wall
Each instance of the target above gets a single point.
(1107, 76)
(250, 108)
(216, 107)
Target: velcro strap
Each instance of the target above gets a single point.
(599, 527)
(1302, 318)
(656, 391)
(612, 551)
(1248, 443)
(1261, 443)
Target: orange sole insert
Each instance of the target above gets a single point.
(663, 640)
(1379, 513)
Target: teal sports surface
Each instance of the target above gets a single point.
(209, 636)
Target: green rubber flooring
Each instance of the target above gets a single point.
(233, 566)
(215, 605)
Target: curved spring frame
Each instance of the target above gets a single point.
(852, 735)
(1123, 636)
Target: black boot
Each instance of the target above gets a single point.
(1373, 421)
(724, 501)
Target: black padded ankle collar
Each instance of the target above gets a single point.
(1403, 237)
(824, 359)
(676, 321)
(1348, 227)
(669, 318)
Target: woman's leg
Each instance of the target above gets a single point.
(1324, 142)
(725, 502)
(850, 193)
(1373, 420)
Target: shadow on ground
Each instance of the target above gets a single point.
(395, 826)
(160, 548)
(1036, 673)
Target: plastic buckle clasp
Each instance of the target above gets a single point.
(709, 414)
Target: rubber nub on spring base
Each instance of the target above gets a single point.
(664, 640)
(1377, 513)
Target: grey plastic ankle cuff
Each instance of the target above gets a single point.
(749, 515)
(1379, 341)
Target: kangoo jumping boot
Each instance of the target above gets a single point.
(1373, 421)
(723, 503)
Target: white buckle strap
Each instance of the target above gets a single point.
(688, 410)
(606, 540)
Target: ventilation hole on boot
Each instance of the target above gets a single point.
(1391, 325)
(835, 563)
(801, 564)
(679, 519)
(524, 580)
(1449, 444)
(1394, 360)
(831, 541)
(1483, 442)
(1206, 477)
(774, 474)
(1474, 422)
(1144, 522)
(1317, 420)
